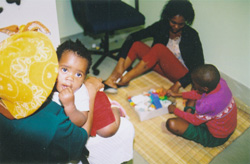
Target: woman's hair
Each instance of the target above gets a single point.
(178, 7)
(77, 47)
(206, 75)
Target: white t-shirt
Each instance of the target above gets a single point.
(173, 45)
(81, 98)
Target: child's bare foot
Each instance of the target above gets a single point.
(115, 104)
(164, 128)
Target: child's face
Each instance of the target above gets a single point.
(72, 71)
(199, 88)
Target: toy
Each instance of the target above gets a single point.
(149, 101)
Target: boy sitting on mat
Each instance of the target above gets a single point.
(210, 115)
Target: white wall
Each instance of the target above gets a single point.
(67, 24)
(31, 10)
(224, 28)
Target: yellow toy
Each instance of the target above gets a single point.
(29, 64)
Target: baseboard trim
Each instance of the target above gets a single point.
(240, 91)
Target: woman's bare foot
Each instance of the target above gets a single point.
(110, 83)
(125, 79)
(121, 83)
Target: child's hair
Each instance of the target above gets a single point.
(206, 75)
(77, 47)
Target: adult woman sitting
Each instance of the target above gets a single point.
(176, 49)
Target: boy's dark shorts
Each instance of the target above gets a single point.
(201, 134)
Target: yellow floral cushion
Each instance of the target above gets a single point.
(29, 64)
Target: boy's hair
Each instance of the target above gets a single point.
(206, 75)
(77, 47)
(178, 7)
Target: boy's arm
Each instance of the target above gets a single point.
(194, 119)
(173, 94)
(191, 118)
(192, 95)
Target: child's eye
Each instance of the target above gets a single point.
(79, 75)
(64, 69)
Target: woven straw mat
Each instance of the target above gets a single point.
(159, 148)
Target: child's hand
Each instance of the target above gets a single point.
(162, 92)
(170, 93)
(94, 84)
(67, 98)
(171, 108)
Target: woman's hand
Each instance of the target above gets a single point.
(174, 89)
(170, 93)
